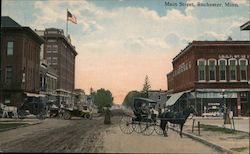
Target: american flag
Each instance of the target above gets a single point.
(71, 17)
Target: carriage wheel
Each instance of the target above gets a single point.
(66, 115)
(137, 126)
(126, 125)
(158, 129)
(147, 128)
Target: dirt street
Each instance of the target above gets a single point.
(117, 142)
(81, 135)
(55, 135)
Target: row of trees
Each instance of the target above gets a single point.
(104, 98)
(128, 101)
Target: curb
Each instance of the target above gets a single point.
(202, 140)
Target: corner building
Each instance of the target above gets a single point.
(211, 73)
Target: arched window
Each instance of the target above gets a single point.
(243, 69)
(201, 69)
(212, 69)
(222, 69)
(232, 69)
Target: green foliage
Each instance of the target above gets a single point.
(103, 98)
(146, 86)
(128, 101)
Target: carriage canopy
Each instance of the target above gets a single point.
(139, 102)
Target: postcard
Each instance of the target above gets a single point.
(125, 76)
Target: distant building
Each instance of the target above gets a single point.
(20, 49)
(208, 74)
(60, 54)
(48, 81)
(160, 96)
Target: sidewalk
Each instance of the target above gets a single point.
(241, 123)
(30, 121)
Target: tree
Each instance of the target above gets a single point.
(129, 99)
(146, 86)
(103, 98)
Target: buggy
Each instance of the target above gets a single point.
(144, 119)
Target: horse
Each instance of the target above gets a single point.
(175, 118)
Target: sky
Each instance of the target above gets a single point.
(119, 42)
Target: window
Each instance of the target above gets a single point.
(201, 70)
(232, 69)
(9, 73)
(49, 60)
(49, 48)
(7, 99)
(54, 61)
(10, 48)
(54, 48)
(222, 69)
(243, 69)
(212, 69)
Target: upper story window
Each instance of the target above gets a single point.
(201, 69)
(232, 69)
(54, 48)
(9, 74)
(243, 69)
(49, 48)
(10, 47)
(222, 69)
(212, 69)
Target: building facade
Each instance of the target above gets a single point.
(213, 73)
(160, 96)
(20, 50)
(60, 55)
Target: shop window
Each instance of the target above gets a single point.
(222, 69)
(7, 99)
(232, 69)
(9, 74)
(212, 69)
(243, 69)
(10, 47)
(201, 69)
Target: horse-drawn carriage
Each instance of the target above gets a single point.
(144, 120)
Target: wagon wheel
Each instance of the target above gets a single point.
(126, 125)
(66, 115)
(137, 126)
(87, 116)
(158, 130)
(147, 128)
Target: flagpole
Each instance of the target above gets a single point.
(67, 25)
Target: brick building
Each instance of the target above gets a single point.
(20, 50)
(210, 73)
(60, 54)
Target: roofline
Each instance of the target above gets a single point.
(210, 43)
(28, 29)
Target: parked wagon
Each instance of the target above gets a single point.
(144, 119)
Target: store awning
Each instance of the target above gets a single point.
(34, 95)
(174, 98)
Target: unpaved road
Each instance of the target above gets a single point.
(55, 135)
(117, 142)
(84, 136)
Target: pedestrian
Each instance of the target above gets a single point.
(107, 118)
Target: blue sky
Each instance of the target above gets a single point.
(120, 41)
